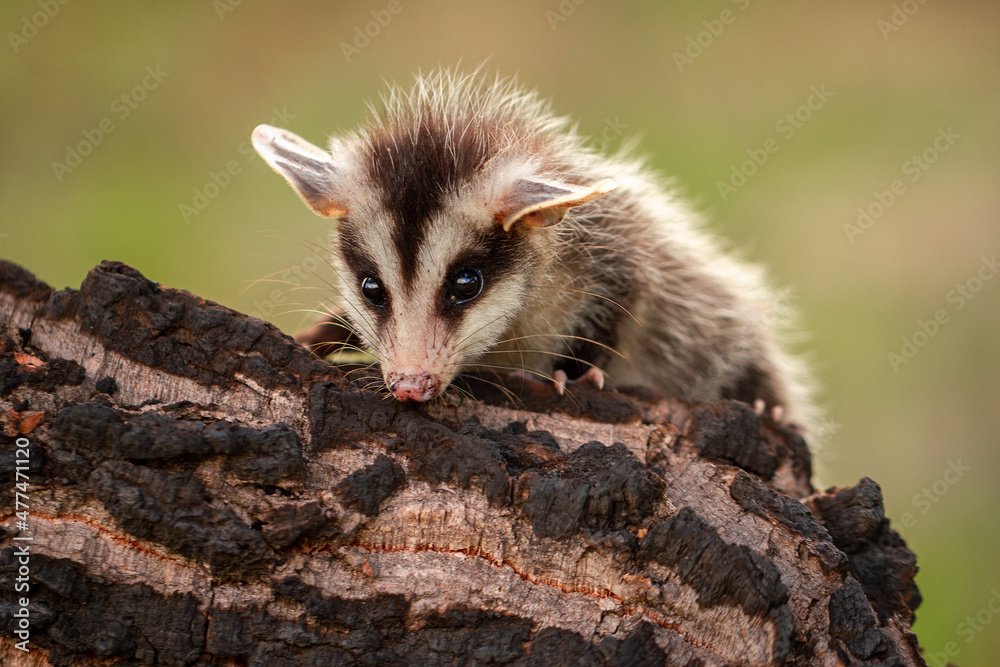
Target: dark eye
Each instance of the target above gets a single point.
(372, 290)
(464, 285)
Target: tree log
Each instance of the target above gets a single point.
(203, 490)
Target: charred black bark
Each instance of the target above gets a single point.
(203, 490)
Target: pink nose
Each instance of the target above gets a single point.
(417, 386)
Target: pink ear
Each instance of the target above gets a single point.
(542, 204)
(307, 168)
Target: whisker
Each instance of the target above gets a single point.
(331, 319)
(567, 337)
(357, 370)
(462, 393)
(569, 357)
(461, 344)
(322, 252)
(592, 294)
(347, 347)
(504, 390)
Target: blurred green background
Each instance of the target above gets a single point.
(119, 121)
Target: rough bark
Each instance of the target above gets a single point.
(205, 491)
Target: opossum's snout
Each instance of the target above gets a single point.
(414, 355)
(413, 385)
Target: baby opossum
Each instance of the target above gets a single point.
(478, 231)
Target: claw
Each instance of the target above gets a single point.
(559, 379)
(593, 377)
(778, 414)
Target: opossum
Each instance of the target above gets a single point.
(479, 232)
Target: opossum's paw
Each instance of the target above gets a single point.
(527, 376)
(327, 335)
(594, 377)
(559, 379)
(777, 412)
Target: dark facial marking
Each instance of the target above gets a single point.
(496, 255)
(361, 266)
(416, 170)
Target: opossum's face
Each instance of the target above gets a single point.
(436, 254)
(430, 297)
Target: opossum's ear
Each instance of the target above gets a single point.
(541, 204)
(306, 167)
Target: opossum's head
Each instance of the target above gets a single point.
(442, 233)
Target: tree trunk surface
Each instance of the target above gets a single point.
(184, 484)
